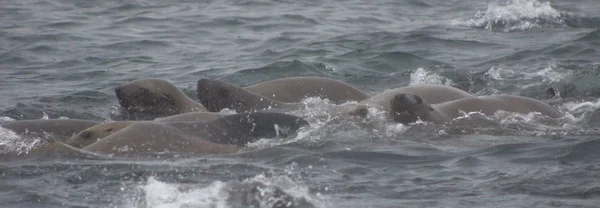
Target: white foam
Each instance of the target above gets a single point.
(512, 118)
(548, 75)
(317, 112)
(542, 77)
(497, 73)
(5, 119)
(515, 15)
(11, 142)
(395, 129)
(422, 76)
(587, 106)
(44, 116)
(227, 111)
(158, 194)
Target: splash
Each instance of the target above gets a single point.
(547, 75)
(422, 76)
(394, 129)
(543, 76)
(5, 119)
(497, 73)
(158, 194)
(317, 111)
(11, 142)
(328, 120)
(515, 15)
(582, 107)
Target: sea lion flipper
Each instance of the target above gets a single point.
(554, 94)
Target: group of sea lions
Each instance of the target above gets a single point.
(427, 102)
(183, 125)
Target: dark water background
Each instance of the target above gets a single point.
(63, 58)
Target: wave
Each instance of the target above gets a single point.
(277, 70)
(137, 45)
(516, 15)
(258, 191)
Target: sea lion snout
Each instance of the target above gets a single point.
(400, 97)
(123, 101)
(117, 91)
(404, 98)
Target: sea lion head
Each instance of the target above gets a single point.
(149, 96)
(407, 108)
(95, 133)
(216, 95)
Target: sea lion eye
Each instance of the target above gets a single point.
(86, 135)
(224, 92)
(419, 100)
(143, 91)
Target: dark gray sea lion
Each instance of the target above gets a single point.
(294, 89)
(59, 128)
(96, 132)
(224, 135)
(216, 95)
(408, 107)
(155, 96)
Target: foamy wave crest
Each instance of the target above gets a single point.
(6, 119)
(259, 191)
(544, 76)
(422, 76)
(160, 194)
(582, 107)
(11, 142)
(515, 15)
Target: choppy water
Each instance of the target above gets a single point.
(63, 58)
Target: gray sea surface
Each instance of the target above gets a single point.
(63, 59)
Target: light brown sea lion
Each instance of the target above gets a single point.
(408, 107)
(96, 132)
(224, 135)
(155, 96)
(434, 92)
(59, 128)
(294, 89)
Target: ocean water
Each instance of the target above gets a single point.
(63, 59)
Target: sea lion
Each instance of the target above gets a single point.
(155, 96)
(409, 107)
(294, 89)
(59, 128)
(434, 93)
(224, 135)
(51, 148)
(96, 132)
(216, 95)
